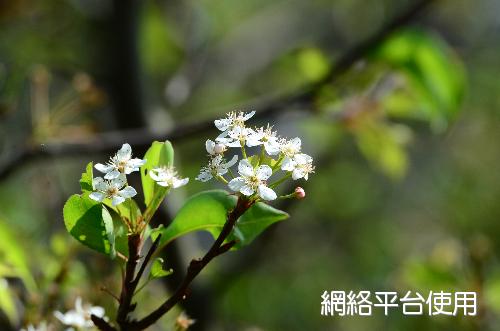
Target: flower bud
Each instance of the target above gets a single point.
(300, 193)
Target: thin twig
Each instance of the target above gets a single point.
(196, 266)
(141, 138)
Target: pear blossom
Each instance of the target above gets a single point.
(253, 180)
(167, 177)
(214, 148)
(239, 136)
(79, 317)
(288, 149)
(115, 189)
(121, 163)
(266, 137)
(300, 166)
(183, 322)
(217, 166)
(233, 120)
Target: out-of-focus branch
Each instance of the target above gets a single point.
(141, 138)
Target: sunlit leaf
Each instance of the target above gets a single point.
(208, 211)
(87, 177)
(90, 223)
(157, 270)
(434, 77)
(159, 154)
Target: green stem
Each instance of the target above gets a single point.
(278, 162)
(222, 179)
(281, 180)
(262, 155)
(243, 152)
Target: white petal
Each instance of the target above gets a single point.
(266, 193)
(247, 190)
(128, 192)
(97, 196)
(223, 124)
(236, 183)
(302, 158)
(125, 152)
(137, 162)
(117, 200)
(204, 176)
(233, 143)
(153, 173)
(249, 115)
(97, 311)
(264, 172)
(232, 161)
(298, 173)
(163, 183)
(103, 168)
(99, 184)
(287, 164)
(112, 175)
(245, 168)
(180, 182)
(295, 142)
(272, 147)
(210, 146)
(119, 181)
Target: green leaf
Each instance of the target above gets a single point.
(435, 78)
(159, 154)
(87, 177)
(157, 270)
(90, 223)
(128, 210)
(208, 211)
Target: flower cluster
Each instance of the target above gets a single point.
(254, 171)
(79, 318)
(114, 185)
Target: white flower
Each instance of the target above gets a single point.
(266, 137)
(167, 177)
(240, 136)
(214, 148)
(121, 163)
(80, 316)
(252, 180)
(217, 166)
(233, 120)
(289, 148)
(115, 189)
(300, 166)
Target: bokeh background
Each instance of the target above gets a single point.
(397, 101)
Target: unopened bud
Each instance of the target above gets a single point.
(300, 193)
(219, 148)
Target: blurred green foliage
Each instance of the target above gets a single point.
(406, 189)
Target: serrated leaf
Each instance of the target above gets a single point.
(159, 154)
(157, 270)
(90, 223)
(87, 177)
(208, 211)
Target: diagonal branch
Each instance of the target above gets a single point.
(141, 138)
(196, 266)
